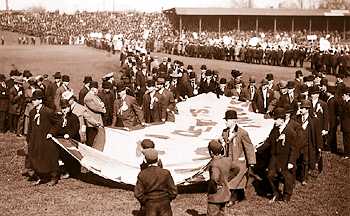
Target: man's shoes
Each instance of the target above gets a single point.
(37, 182)
(65, 176)
(53, 182)
(286, 198)
(303, 183)
(274, 198)
(230, 204)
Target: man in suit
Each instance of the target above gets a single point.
(345, 122)
(155, 188)
(84, 116)
(298, 80)
(4, 103)
(96, 108)
(166, 99)
(251, 89)
(107, 98)
(140, 83)
(311, 139)
(126, 112)
(66, 126)
(207, 84)
(283, 155)
(51, 90)
(42, 151)
(333, 120)
(240, 150)
(221, 170)
(64, 87)
(151, 106)
(16, 106)
(263, 98)
(85, 89)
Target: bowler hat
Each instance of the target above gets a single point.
(27, 74)
(305, 104)
(346, 91)
(18, 79)
(331, 89)
(147, 144)
(340, 75)
(309, 78)
(314, 90)
(208, 73)
(2, 77)
(203, 67)
(189, 67)
(121, 87)
(151, 155)
(236, 73)
(223, 81)
(215, 147)
(37, 95)
(269, 76)
(65, 78)
(57, 75)
(230, 114)
(106, 85)
(279, 112)
(87, 79)
(324, 82)
(252, 79)
(304, 88)
(94, 84)
(298, 73)
(64, 103)
(14, 73)
(291, 84)
(192, 75)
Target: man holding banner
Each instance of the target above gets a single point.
(240, 149)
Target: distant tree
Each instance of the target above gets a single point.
(335, 4)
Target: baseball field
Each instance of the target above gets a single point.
(329, 194)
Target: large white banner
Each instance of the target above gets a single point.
(182, 146)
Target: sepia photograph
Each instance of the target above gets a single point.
(175, 107)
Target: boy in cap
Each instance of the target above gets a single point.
(241, 151)
(148, 144)
(155, 188)
(221, 170)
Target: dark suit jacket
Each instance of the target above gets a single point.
(154, 184)
(258, 101)
(4, 99)
(72, 127)
(322, 115)
(151, 115)
(281, 153)
(16, 105)
(204, 87)
(82, 94)
(129, 118)
(345, 117)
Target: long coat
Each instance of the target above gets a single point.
(241, 151)
(167, 105)
(42, 152)
(130, 117)
(151, 115)
(221, 170)
(95, 107)
(4, 98)
(258, 101)
(16, 105)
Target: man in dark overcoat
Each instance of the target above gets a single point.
(42, 151)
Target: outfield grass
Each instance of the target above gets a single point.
(329, 194)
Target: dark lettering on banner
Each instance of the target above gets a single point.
(191, 132)
(196, 112)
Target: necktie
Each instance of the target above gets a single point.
(37, 117)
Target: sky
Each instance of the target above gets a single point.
(142, 5)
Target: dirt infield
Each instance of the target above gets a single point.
(329, 194)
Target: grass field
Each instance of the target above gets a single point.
(329, 194)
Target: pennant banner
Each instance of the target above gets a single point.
(182, 146)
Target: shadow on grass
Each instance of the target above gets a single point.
(194, 212)
(94, 179)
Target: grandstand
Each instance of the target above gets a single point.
(290, 20)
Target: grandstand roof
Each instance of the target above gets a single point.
(256, 12)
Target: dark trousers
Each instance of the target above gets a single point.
(216, 209)
(346, 143)
(302, 168)
(91, 133)
(3, 121)
(158, 208)
(284, 176)
(71, 165)
(13, 120)
(20, 124)
(332, 140)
